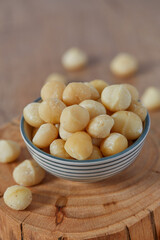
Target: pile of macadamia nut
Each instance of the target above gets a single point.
(79, 121)
(85, 120)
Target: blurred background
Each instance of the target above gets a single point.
(34, 34)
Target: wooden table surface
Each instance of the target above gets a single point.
(35, 34)
(33, 37)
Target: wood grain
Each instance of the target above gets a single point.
(125, 206)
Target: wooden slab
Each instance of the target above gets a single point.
(35, 34)
(126, 206)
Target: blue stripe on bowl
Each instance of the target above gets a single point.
(95, 168)
(76, 173)
(105, 160)
(97, 176)
(54, 160)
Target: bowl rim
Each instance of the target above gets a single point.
(44, 154)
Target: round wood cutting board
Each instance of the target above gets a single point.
(125, 206)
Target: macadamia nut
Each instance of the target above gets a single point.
(151, 98)
(94, 108)
(74, 59)
(94, 93)
(17, 197)
(99, 85)
(116, 98)
(45, 135)
(50, 110)
(74, 118)
(79, 145)
(124, 65)
(128, 124)
(28, 173)
(139, 109)
(57, 149)
(96, 153)
(100, 126)
(63, 133)
(133, 91)
(9, 151)
(75, 93)
(52, 89)
(113, 144)
(56, 77)
(31, 115)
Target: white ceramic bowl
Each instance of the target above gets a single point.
(86, 170)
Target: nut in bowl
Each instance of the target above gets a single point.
(72, 155)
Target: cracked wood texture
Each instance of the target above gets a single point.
(33, 36)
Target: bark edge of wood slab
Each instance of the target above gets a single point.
(125, 206)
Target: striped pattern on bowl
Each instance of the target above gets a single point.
(86, 170)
